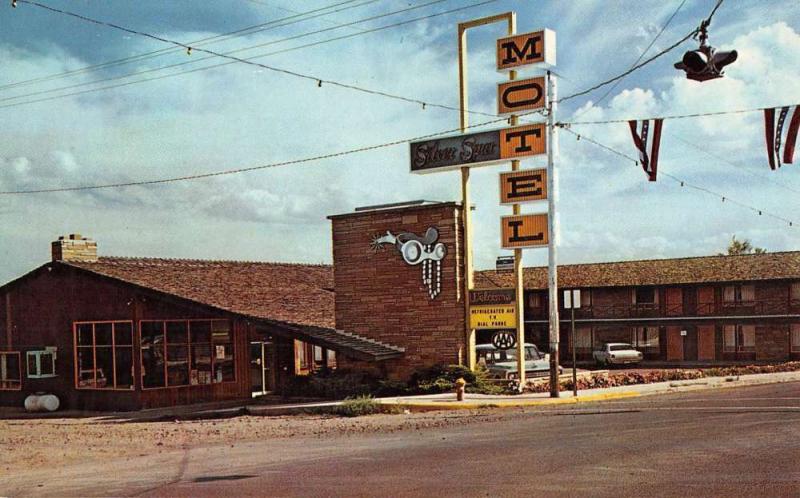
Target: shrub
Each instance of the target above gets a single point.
(442, 378)
(358, 406)
(335, 384)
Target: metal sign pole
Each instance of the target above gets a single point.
(574, 367)
(552, 268)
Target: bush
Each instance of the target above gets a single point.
(442, 379)
(336, 384)
(358, 406)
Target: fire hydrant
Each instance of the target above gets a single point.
(460, 384)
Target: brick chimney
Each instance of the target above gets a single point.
(74, 248)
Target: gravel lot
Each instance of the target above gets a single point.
(39, 443)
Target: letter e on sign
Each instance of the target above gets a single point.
(523, 186)
(522, 141)
(538, 47)
(523, 231)
(520, 95)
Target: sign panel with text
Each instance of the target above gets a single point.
(527, 185)
(501, 316)
(524, 231)
(477, 149)
(520, 95)
(538, 47)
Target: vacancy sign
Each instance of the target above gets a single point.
(527, 185)
(520, 95)
(538, 47)
(523, 231)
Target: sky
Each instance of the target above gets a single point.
(195, 120)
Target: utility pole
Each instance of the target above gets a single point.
(552, 265)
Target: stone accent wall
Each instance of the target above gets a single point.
(380, 296)
(772, 342)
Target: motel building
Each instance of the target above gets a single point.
(119, 333)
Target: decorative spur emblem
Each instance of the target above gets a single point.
(418, 250)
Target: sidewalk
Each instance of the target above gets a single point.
(448, 401)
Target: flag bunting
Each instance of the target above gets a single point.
(647, 158)
(779, 135)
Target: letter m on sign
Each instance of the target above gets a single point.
(529, 48)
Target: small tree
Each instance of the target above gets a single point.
(737, 247)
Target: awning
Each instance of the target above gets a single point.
(352, 345)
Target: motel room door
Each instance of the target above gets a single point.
(261, 359)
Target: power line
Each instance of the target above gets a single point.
(254, 168)
(635, 67)
(284, 9)
(232, 52)
(293, 19)
(673, 116)
(641, 56)
(707, 152)
(232, 59)
(682, 182)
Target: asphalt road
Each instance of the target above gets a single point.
(730, 442)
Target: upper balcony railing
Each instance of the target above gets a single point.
(757, 307)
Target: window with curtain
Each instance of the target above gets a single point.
(739, 338)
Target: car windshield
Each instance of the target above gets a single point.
(531, 353)
(619, 347)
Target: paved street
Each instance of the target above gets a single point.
(729, 442)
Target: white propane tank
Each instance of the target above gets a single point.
(41, 402)
(49, 402)
(32, 403)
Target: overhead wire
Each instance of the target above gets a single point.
(638, 66)
(683, 182)
(253, 168)
(249, 61)
(638, 59)
(231, 52)
(249, 30)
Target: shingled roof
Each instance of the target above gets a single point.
(705, 269)
(298, 296)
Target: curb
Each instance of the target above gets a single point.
(423, 406)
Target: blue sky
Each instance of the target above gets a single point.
(239, 115)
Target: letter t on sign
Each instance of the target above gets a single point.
(523, 186)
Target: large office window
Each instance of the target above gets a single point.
(104, 355)
(186, 353)
(739, 338)
(10, 371)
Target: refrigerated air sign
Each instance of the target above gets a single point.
(478, 149)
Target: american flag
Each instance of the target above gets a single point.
(648, 159)
(779, 135)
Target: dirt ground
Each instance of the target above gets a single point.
(40, 443)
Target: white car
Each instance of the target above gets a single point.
(503, 362)
(617, 353)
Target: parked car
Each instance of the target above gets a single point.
(503, 362)
(617, 353)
